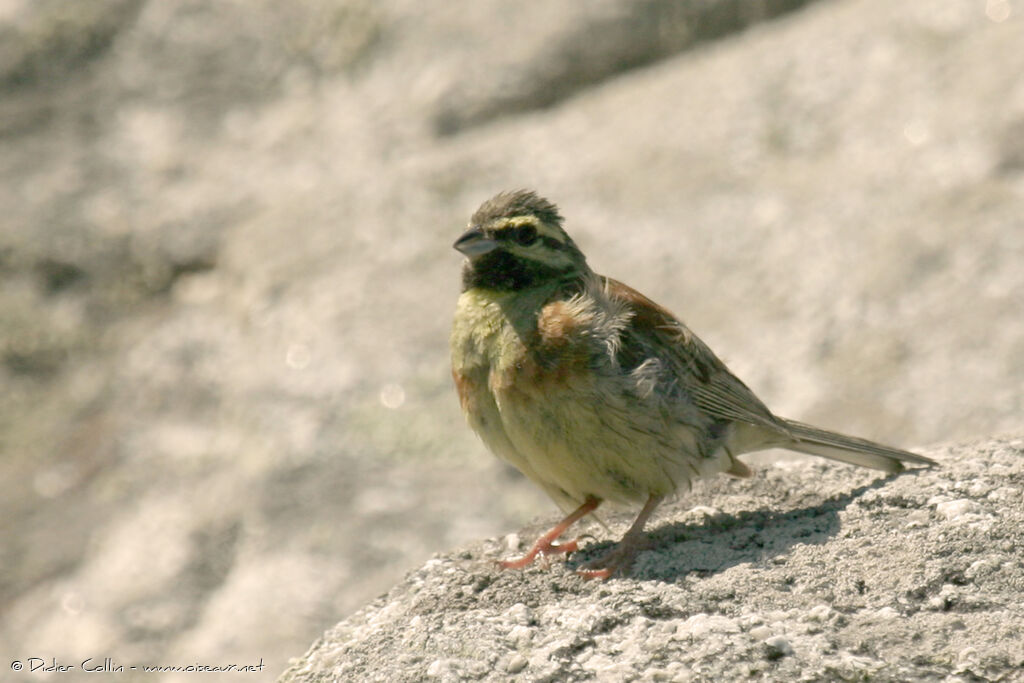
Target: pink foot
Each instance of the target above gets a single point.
(619, 560)
(616, 562)
(542, 547)
(548, 543)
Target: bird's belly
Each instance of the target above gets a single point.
(591, 441)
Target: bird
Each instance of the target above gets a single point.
(595, 392)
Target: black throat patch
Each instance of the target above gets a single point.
(501, 271)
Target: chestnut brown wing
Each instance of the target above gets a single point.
(699, 371)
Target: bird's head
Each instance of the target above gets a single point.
(515, 241)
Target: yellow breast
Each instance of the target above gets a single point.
(539, 383)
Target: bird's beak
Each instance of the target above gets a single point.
(474, 243)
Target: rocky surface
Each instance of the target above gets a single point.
(226, 420)
(810, 572)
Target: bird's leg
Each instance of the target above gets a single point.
(620, 558)
(546, 544)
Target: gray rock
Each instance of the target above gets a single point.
(226, 419)
(810, 572)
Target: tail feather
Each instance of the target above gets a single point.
(849, 449)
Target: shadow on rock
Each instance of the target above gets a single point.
(724, 540)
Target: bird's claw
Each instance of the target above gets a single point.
(543, 548)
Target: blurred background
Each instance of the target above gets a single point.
(226, 275)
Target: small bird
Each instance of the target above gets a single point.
(596, 393)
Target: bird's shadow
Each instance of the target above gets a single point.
(724, 540)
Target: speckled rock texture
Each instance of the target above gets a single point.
(226, 275)
(809, 571)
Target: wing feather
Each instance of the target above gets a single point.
(699, 371)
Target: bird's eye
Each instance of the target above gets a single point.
(525, 235)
